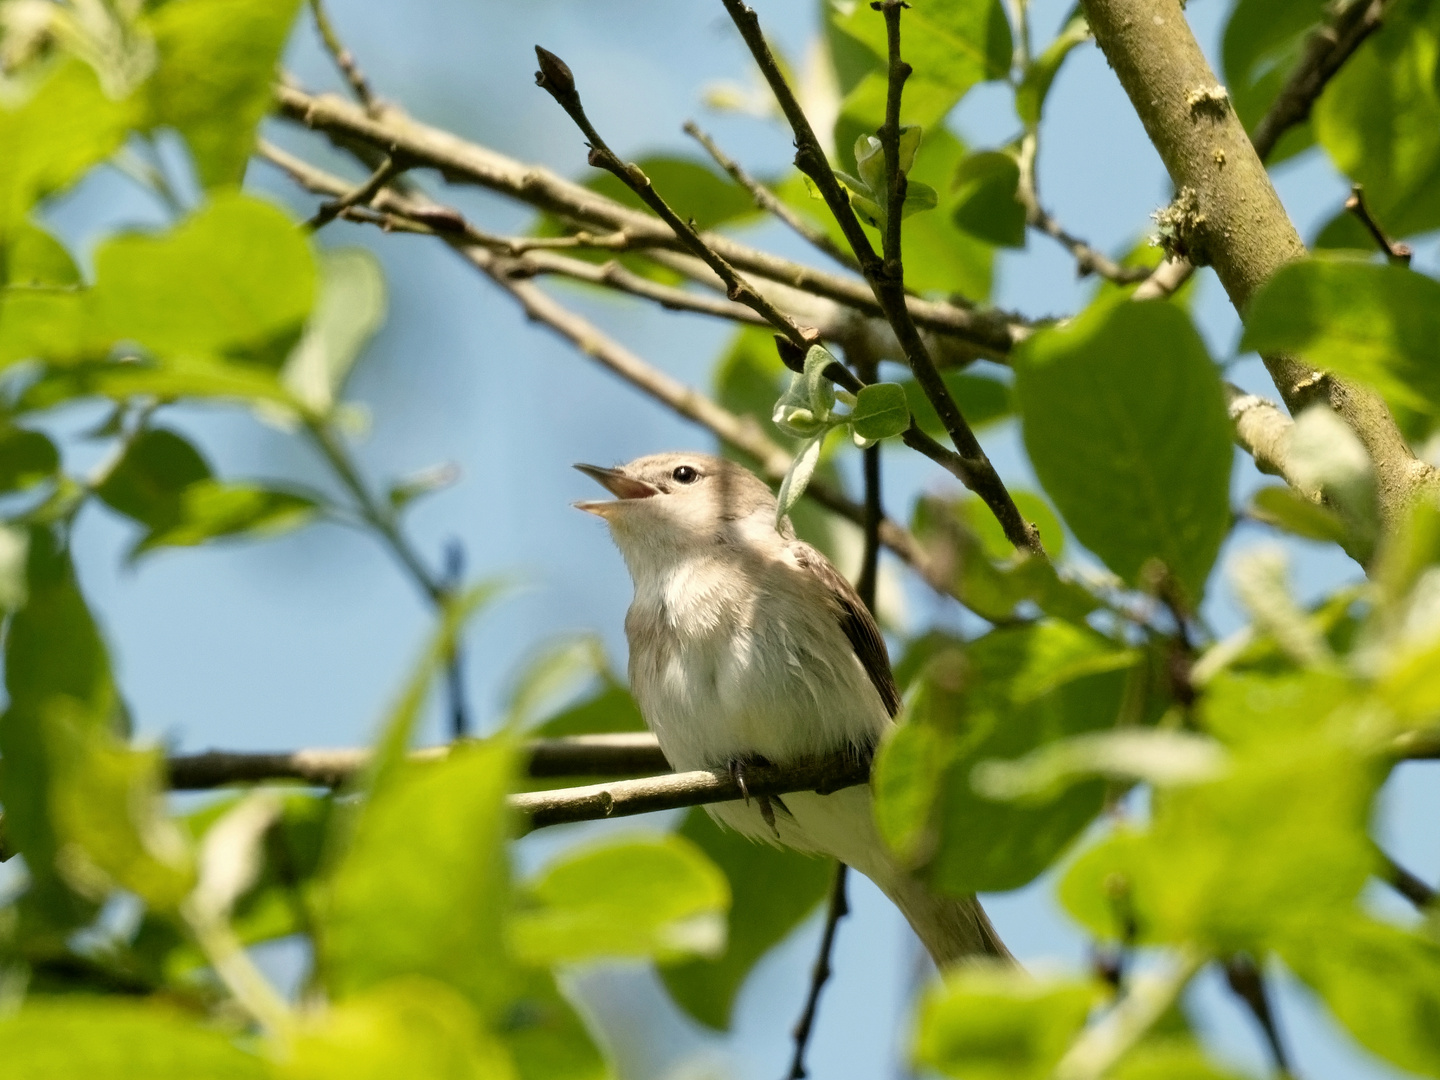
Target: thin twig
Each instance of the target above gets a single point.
(344, 59)
(886, 280)
(1248, 984)
(347, 125)
(1325, 53)
(768, 201)
(1408, 885)
(1398, 253)
(454, 663)
(837, 909)
(363, 193)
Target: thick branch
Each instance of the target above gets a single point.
(1262, 430)
(1238, 223)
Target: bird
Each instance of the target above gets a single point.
(748, 646)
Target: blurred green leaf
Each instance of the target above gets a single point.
(26, 458)
(1379, 325)
(1169, 1059)
(211, 510)
(421, 888)
(987, 1022)
(1034, 509)
(1263, 41)
(1135, 453)
(218, 62)
(348, 310)
(693, 190)
(545, 1034)
(52, 139)
(1160, 758)
(953, 43)
(409, 1026)
(772, 891)
(1234, 863)
(148, 483)
(1381, 982)
(1287, 509)
(984, 199)
(1379, 120)
(1034, 87)
(657, 897)
(65, 1038)
(31, 258)
(982, 400)
(881, 412)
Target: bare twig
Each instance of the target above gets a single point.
(349, 126)
(768, 201)
(1248, 984)
(454, 662)
(886, 280)
(1325, 53)
(1398, 253)
(836, 910)
(344, 59)
(1408, 885)
(363, 193)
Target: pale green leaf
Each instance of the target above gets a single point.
(349, 309)
(881, 411)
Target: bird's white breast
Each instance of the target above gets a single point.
(729, 660)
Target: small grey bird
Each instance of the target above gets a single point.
(747, 643)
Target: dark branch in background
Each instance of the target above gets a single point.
(972, 466)
(618, 755)
(739, 431)
(557, 80)
(1404, 882)
(1397, 253)
(460, 726)
(344, 60)
(1248, 984)
(1325, 54)
(768, 201)
(837, 908)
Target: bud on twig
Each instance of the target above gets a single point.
(554, 74)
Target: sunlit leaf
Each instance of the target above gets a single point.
(348, 310)
(984, 199)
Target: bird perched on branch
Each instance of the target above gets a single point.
(747, 645)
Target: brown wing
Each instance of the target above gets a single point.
(856, 621)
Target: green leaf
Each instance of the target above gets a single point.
(1145, 755)
(611, 709)
(940, 257)
(1379, 325)
(772, 891)
(26, 458)
(1287, 509)
(348, 311)
(1379, 120)
(413, 1027)
(798, 478)
(218, 63)
(1034, 509)
(1002, 696)
(693, 190)
(545, 1035)
(211, 510)
(984, 204)
(1263, 41)
(1235, 863)
(148, 483)
(31, 258)
(881, 411)
(1169, 1059)
(654, 897)
(982, 400)
(422, 885)
(987, 1022)
(64, 1038)
(1381, 982)
(234, 281)
(1125, 422)
(53, 139)
(954, 43)
(1034, 88)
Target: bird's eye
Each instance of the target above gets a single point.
(684, 474)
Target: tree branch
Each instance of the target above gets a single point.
(1248, 984)
(835, 910)
(768, 201)
(348, 125)
(1417, 891)
(344, 59)
(1237, 223)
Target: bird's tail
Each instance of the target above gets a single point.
(842, 825)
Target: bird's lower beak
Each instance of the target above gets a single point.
(618, 484)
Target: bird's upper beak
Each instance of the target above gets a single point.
(618, 484)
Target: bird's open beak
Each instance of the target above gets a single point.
(618, 484)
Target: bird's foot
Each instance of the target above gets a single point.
(767, 808)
